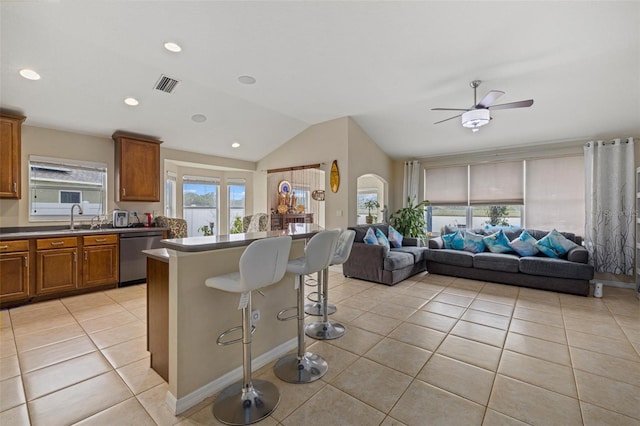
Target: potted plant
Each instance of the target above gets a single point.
(410, 221)
(370, 204)
(206, 229)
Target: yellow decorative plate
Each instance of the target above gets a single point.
(334, 177)
(282, 209)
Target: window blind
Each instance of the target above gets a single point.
(446, 186)
(496, 183)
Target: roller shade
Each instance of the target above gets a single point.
(496, 183)
(446, 186)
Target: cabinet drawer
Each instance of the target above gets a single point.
(94, 240)
(52, 243)
(11, 246)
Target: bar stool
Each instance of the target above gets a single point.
(305, 367)
(317, 307)
(264, 262)
(326, 330)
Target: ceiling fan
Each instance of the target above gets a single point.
(479, 114)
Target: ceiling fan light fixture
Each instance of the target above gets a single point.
(476, 118)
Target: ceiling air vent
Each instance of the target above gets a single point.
(166, 84)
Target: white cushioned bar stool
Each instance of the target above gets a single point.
(305, 367)
(325, 329)
(264, 262)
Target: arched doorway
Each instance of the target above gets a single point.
(372, 187)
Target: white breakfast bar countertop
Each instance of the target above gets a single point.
(216, 242)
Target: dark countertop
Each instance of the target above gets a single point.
(64, 231)
(217, 242)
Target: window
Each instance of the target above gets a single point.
(200, 203)
(237, 201)
(364, 195)
(170, 195)
(56, 184)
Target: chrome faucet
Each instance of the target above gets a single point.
(79, 212)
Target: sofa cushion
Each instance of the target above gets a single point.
(497, 243)
(382, 239)
(453, 241)
(473, 242)
(450, 257)
(417, 252)
(524, 245)
(496, 262)
(555, 244)
(395, 238)
(397, 260)
(560, 268)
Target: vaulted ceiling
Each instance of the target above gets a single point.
(386, 64)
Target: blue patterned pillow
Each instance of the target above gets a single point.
(497, 243)
(453, 241)
(524, 245)
(395, 238)
(383, 241)
(473, 242)
(370, 237)
(555, 245)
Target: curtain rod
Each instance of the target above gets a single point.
(290, 169)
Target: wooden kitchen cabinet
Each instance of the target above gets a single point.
(10, 160)
(100, 260)
(137, 168)
(14, 270)
(56, 265)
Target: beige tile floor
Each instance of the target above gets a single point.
(430, 350)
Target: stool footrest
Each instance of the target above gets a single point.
(222, 335)
(281, 313)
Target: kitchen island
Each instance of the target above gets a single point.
(190, 316)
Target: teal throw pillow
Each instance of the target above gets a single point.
(497, 243)
(370, 237)
(383, 241)
(555, 245)
(473, 242)
(453, 241)
(395, 238)
(524, 245)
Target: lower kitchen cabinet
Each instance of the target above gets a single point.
(14, 270)
(57, 265)
(100, 260)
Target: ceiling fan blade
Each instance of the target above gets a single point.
(489, 98)
(450, 109)
(447, 119)
(519, 104)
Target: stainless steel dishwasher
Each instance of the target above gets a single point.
(133, 263)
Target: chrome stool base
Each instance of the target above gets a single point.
(238, 406)
(324, 330)
(315, 309)
(306, 369)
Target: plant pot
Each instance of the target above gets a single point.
(369, 219)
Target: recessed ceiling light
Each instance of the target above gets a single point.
(235, 145)
(199, 118)
(29, 74)
(172, 47)
(246, 79)
(131, 101)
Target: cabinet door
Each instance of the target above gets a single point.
(57, 270)
(138, 169)
(10, 156)
(14, 276)
(100, 265)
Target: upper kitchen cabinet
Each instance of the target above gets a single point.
(137, 168)
(10, 155)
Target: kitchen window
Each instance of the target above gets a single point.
(236, 189)
(56, 184)
(200, 203)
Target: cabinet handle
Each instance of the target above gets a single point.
(101, 240)
(57, 243)
(75, 256)
(15, 187)
(124, 192)
(26, 261)
(4, 247)
(86, 256)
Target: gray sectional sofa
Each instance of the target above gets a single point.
(570, 274)
(371, 263)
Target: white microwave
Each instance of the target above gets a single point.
(120, 218)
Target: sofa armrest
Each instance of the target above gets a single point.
(366, 261)
(578, 254)
(436, 243)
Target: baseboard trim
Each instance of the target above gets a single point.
(179, 406)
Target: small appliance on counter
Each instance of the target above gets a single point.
(120, 218)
